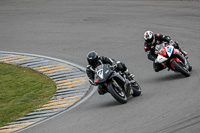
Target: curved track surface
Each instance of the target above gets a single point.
(69, 29)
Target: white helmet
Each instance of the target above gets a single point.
(149, 36)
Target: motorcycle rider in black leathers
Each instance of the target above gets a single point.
(151, 40)
(94, 60)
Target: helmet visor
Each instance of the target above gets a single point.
(93, 62)
(149, 40)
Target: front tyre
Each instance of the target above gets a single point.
(118, 93)
(180, 68)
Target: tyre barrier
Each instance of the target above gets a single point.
(71, 81)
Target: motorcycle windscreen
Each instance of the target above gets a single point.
(102, 74)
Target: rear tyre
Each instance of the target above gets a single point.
(117, 93)
(179, 67)
(136, 89)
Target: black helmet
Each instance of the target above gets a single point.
(92, 58)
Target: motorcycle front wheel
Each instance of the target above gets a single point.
(118, 93)
(180, 68)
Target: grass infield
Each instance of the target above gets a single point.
(22, 90)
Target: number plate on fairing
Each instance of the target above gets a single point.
(100, 73)
(169, 50)
(161, 58)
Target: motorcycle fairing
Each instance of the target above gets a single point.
(161, 58)
(117, 77)
(165, 53)
(102, 73)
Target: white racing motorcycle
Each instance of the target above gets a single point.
(173, 59)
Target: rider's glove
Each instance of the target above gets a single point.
(119, 65)
(171, 42)
(114, 65)
(91, 82)
(175, 44)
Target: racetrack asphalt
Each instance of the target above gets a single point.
(69, 29)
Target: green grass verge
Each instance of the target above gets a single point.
(22, 90)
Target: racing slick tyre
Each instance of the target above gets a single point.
(118, 93)
(136, 89)
(180, 68)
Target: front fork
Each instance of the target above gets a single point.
(127, 87)
(180, 59)
(116, 84)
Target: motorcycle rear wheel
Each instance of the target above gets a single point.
(117, 93)
(180, 68)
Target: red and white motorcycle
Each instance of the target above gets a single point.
(173, 59)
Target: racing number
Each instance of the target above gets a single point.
(169, 49)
